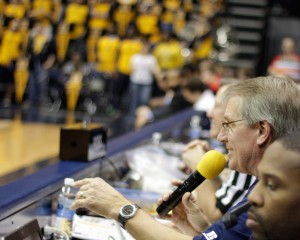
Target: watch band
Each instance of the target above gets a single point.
(122, 219)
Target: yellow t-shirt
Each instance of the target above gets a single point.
(147, 24)
(10, 47)
(168, 55)
(188, 5)
(57, 7)
(2, 7)
(167, 17)
(101, 21)
(25, 38)
(62, 40)
(42, 8)
(76, 13)
(203, 49)
(15, 11)
(128, 47)
(123, 16)
(91, 42)
(39, 43)
(172, 4)
(107, 50)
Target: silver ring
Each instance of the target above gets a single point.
(81, 195)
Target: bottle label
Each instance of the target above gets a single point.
(194, 133)
(64, 212)
(64, 218)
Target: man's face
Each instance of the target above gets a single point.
(288, 46)
(239, 138)
(275, 200)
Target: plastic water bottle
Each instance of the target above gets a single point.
(195, 129)
(64, 213)
(156, 138)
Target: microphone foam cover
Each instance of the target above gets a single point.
(211, 164)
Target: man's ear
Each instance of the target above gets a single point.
(264, 132)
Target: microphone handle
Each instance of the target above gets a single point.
(194, 180)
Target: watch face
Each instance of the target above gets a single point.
(128, 211)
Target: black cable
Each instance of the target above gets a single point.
(116, 170)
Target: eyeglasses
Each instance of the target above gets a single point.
(226, 127)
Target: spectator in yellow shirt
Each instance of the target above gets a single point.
(128, 47)
(168, 52)
(10, 49)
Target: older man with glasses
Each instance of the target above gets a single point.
(258, 111)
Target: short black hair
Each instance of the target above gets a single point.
(194, 84)
(291, 141)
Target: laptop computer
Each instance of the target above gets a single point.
(29, 231)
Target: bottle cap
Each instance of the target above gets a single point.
(156, 138)
(195, 121)
(68, 181)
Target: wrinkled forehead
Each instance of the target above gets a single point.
(232, 108)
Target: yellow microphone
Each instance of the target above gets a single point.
(211, 165)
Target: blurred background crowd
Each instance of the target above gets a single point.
(127, 56)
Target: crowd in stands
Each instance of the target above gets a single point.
(45, 43)
(116, 54)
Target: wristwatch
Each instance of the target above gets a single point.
(126, 212)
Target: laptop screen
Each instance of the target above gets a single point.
(29, 231)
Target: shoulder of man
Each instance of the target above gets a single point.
(238, 232)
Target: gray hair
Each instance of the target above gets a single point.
(273, 99)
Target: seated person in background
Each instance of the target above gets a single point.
(275, 209)
(216, 197)
(247, 135)
(193, 93)
(286, 64)
(169, 83)
(197, 93)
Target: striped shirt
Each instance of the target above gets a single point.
(233, 190)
